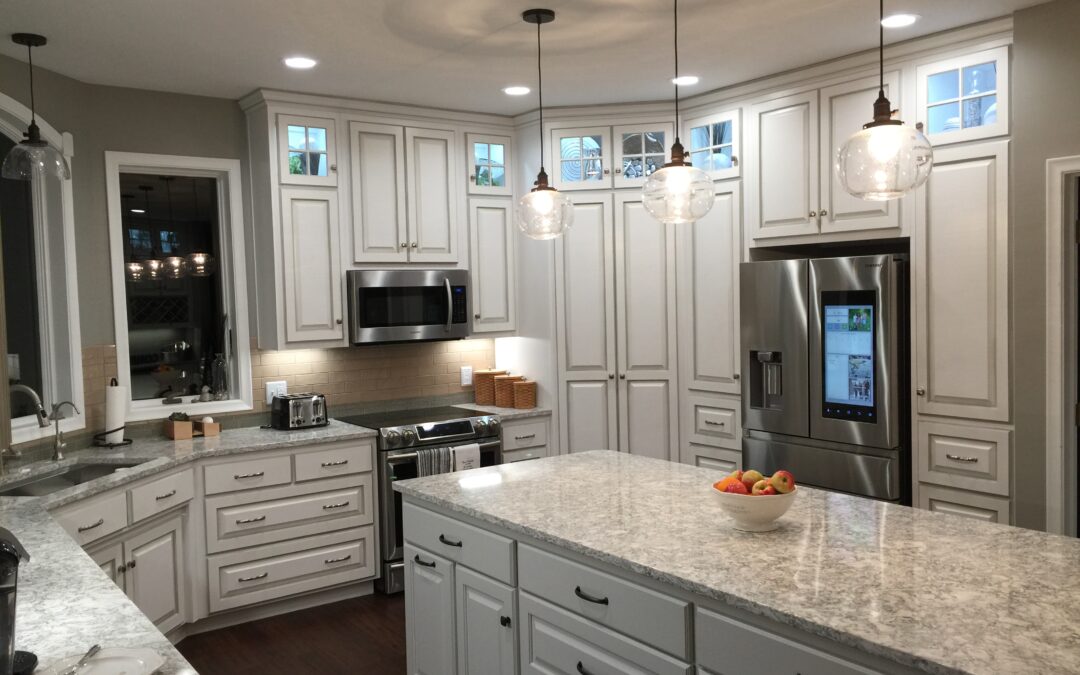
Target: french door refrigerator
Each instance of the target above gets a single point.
(826, 377)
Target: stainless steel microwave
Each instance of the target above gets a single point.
(407, 305)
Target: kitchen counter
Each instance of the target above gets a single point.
(506, 413)
(934, 592)
(65, 602)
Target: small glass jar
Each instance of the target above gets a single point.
(219, 376)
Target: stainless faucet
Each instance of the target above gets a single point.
(43, 417)
(58, 439)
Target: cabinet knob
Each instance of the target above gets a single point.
(824, 212)
(339, 322)
(472, 179)
(607, 172)
(734, 161)
(735, 376)
(414, 244)
(131, 565)
(611, 376)
(622, 376)
(813, 214)
(404, 245)
(618, 171)
(122, 569)
(921, 391)
(504, 621)
(476, 316)
(333, 167)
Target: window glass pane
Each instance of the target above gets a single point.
(571, 170)
(631, 144)
(316, 139)
(591, 146)
(721, 133)
(654, 142)
(942, 118)
(699, 138)
(593, 169)
(297, 163)
(168, 243)
(570, 148)
(980, 79)
(980, 111)
(700, 160)
(497, 150)
(318, 164)
(480, 150)
(498, 176)
(139, 240)
(721, 158)
(632, 167)
(296, 137)
(653, 163)
(943, 86)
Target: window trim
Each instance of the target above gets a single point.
(1000, 57)
(230, 201)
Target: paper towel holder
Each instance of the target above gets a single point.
(99, 439)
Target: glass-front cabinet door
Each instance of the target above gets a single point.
(640, 150)
(306, 150)
(582, 158)
(965, 98)
(713, 144)
(489, 164)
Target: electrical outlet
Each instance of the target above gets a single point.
(466, 376)
(276, 388)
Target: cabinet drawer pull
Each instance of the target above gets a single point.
(419, 561)
(340, 462)
(448, 542)
(242, 476)
(327, 507)
(331, 561)
(581, 669)
(589, 598)
(168, 494)
(256, 519)
(714, 424)
(254, 578)
(958, 458)
(99, 523)
(525, 437)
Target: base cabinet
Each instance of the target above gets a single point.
(429, 613)
(486, 617)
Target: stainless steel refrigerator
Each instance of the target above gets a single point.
(826, 379)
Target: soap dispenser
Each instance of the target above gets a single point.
(12, 554)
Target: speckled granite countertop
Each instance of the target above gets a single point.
(932, 591)
(65, 602)
(506, 413)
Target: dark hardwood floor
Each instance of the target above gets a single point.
(362, 636)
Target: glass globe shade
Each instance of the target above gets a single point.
(884, 162)
(135, 271)
(678, 194)
(175, 267)
(34, 158)
(545, 214)
(154, 269)
(200, 264)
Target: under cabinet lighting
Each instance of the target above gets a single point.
(899, 20)
(300, 62)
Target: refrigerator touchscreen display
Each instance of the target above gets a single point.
(848, 368)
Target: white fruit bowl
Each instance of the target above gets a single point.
(755, 513)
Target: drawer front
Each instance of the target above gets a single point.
(964, 457)
(460, 542)
(96, 519)
(247, 474)
(339, 459)
(718, 422)
(653, 618)
(728, 646)
(266, 573)
(966, 504)
(528, 435)
(277, 514)
(524, 455)
(714, 421)
(556, 641)
(162, 494)
(718, 459)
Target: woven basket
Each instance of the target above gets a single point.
(504, 390)
(484, 386)
(524, 394)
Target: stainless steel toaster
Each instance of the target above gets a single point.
(298, 411)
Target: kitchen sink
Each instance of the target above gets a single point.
(61, 479)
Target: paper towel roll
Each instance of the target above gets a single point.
(116, 399)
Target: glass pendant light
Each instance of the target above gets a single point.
(887, 159)
(679, 192)
(152, 267)
(33, 156)
(544, 213)
(174, 266)
(200, 263)
(136, 271)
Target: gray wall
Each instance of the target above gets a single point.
(1046, 123)
(131, 120)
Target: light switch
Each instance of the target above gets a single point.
(466, 376)
(276, 388)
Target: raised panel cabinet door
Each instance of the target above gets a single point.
(156, 574)
(312, 269)
(378, 193)
(782, 174)
(845, 108)
(430, 636)
(962, 284)
(645, 290)
(111, 560)
(589, 413)
(432, 176)
(709, 252)
(491, 262)
(639, 151)
(486, 625)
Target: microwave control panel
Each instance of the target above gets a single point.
(460, 307)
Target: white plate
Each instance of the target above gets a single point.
(111, 661)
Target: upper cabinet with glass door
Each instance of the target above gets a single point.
(713, 144)
(489, 164)
(640, 151)
(965, 98)
(306, 150)
(597, 158)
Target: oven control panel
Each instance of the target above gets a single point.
(434, 433)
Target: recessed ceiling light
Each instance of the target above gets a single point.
(300, 62)
(685, 80)
(516, 91)
(138, 210)
(899, 20)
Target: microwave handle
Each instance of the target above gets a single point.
(449, 304)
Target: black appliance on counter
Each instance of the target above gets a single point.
(298, 411)
(12, 554)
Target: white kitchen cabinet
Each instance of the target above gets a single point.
(713, 143)
(429, 613)
(491, 264)
(490, 161)
(109, 559)
(307, 154)
(639, 151)
(961, 307)
(432, 186)
(708, 457)
(379, 226)
(988, 508)
(486, 624)
(964, 98)
(312, 269)
(604, 157)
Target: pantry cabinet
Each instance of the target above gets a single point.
(491, 264)
(312, 271)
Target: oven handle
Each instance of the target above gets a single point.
(405, 456)
(449, 304)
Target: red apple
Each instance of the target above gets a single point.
(750, 478)
(760, 487)
(736, 487)
(783, 481)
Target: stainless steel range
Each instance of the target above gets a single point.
(401, 434)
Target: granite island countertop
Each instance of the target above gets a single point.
(933, 591)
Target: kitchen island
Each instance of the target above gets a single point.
(619, 562)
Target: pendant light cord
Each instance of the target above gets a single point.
(30, 59)
(881, 48)
(676, 81)
(540, 94)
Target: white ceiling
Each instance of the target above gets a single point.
(456, 53)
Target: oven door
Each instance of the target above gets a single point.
(407, 305)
